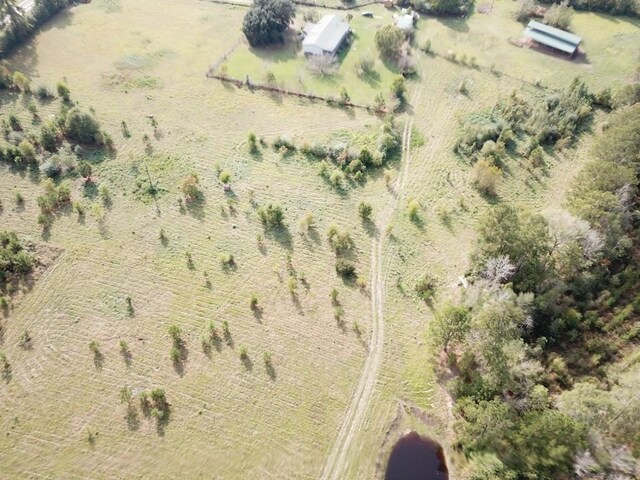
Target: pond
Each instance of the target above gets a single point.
(416, 458)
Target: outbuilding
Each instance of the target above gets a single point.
(325, 37)
(552, 37)
(405, 22)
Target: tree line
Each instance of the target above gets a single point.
(553, 300)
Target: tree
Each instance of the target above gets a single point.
(559, 16)
(449, 326)
(521, 236)
(267, 20)
(389, 42)
(448, 7)
(322, 65)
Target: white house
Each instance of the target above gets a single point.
(325, 37)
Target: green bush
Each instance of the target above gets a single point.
(82, 127)
(271, 216)
(345, 268)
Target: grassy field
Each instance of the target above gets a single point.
(229, 418)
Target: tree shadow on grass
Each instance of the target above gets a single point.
(163, 420)
(133, 419)
(98, 360)
(282, 235)
(247, 363)
(271, 371)
(195, 207)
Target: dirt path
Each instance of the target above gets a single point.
(335, 467)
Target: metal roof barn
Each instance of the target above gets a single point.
(326, 36)
(552, 37)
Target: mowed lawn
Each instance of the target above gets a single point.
(291, 68)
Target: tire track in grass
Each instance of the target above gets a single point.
(336, 465)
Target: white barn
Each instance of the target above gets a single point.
(326, 36)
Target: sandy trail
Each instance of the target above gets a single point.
(336, 465)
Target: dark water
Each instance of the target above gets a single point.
(416, 458)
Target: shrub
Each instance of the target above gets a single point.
(292, 285)
(175, 332)
(27, 151)
(306, 222)
(252, 142)
(334, 296)
(337, 178)
(82, 127)
(364, 65)
(389, 40)
(63, 91)
(486, 176)
(54, 197)
(253, 303)
(226, 259)
(94, 346)
(21, 81)
(399, 88)
(365, 210)
(50, 135)
(244, 352)
(225, 176)
(267, 20)
(271, 216)
(43, 93)
(190, 187)
(426, 287)
(340, 241)
(345, 268)
(413, 209)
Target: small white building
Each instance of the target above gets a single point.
(325, 37)
(405, 22)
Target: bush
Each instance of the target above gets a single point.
(14, 259)
(340, 241)
(365, 210)
(413, 210)
(82, 127)
(20, 81)
(190, 187)
(43, 93)
(426, 287)
(345, 268)
(486, 176)
(225, 176)
(63, 91)
(364, 65)
(50, 136)
(267, 20)
(271, 216)
(27, 151)
(399, 89)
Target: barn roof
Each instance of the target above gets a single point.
(327, 34)
(552, 37)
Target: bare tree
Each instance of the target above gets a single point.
(323, 65)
